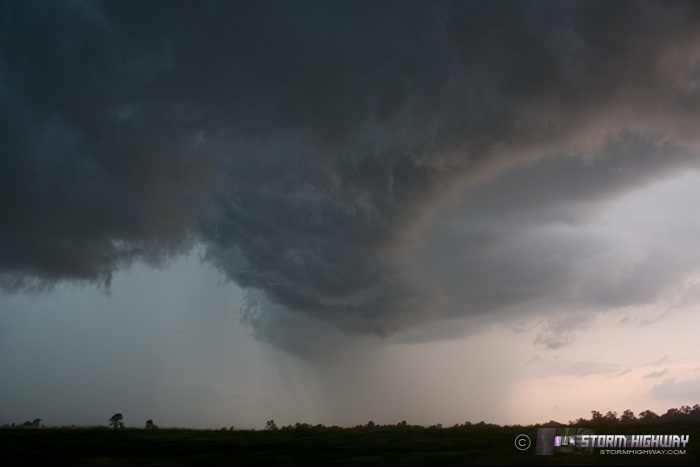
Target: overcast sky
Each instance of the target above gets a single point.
(222, 213)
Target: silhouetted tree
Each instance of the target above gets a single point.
(116, 421)
(648, 416)
(270, 425)
(150, 425)
(695, 412)
(610, 417)
(673, 414)
(628, 417)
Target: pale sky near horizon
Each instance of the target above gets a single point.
(220, 213)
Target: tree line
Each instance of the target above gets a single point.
(680, 414)
(685, 413)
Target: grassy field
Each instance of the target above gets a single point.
(474, 445)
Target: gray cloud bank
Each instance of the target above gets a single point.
(373, 166)
(656, 374)
(672, 389)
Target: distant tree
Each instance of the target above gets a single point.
(549, 424)
(695, 412)
(150, 425)
(628, 417)
(596, 416)
(648, 416)
(610, 417)
(270, 425)
(672, 414)
(116, 421)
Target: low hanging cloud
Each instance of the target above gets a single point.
(369, 166)
(546, 367)
(680, 390)
(656, 374)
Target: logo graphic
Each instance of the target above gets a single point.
(522, 442)
(571, 440)
(552, 441)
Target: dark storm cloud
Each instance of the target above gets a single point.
(90, 179)
(308, 145)
(543, 236)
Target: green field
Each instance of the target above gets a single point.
(465, 445)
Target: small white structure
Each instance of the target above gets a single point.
(37, 423)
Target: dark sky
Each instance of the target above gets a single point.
(373, 166)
